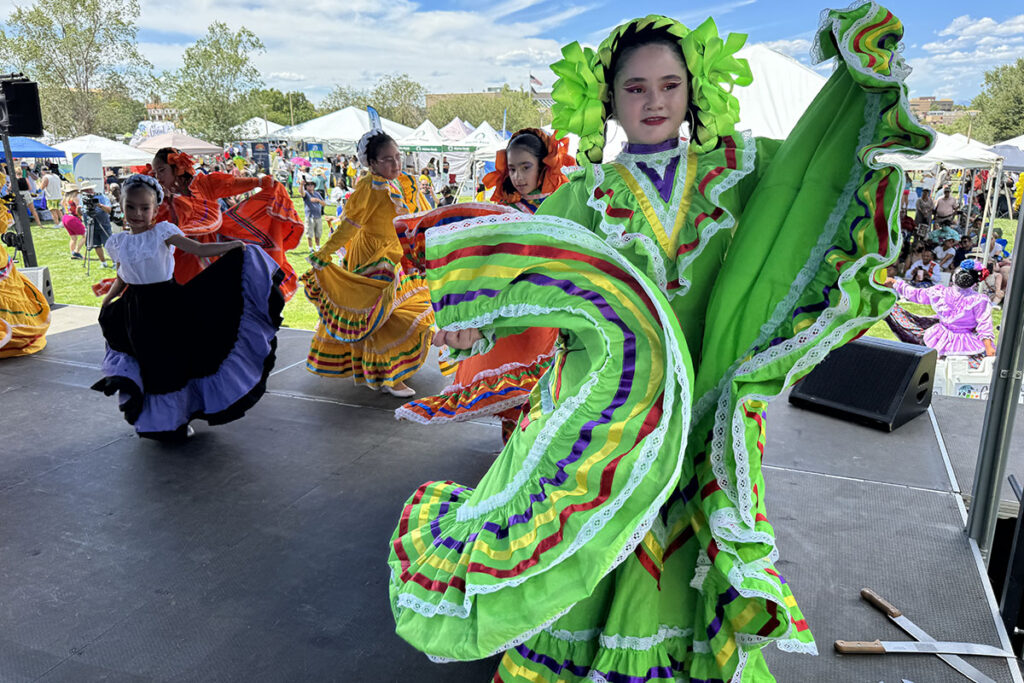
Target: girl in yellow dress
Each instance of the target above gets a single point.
(375, 319)
(24, 312)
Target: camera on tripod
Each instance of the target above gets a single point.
(12, 240)
(89, 201)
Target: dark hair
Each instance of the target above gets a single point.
(531, 143)
(165, 152)
(632, 40)
(966, 278)
(375, 143)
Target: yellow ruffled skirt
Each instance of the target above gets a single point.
(375, 325)
(24, 312)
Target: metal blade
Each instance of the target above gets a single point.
(878, 602)
(939, 648)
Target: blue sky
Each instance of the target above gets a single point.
(464, 45)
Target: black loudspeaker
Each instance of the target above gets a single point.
(24, 117)
(876, 382)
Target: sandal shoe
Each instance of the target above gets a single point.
(399, 393)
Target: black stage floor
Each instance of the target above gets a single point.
(256, 551)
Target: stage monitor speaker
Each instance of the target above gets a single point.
(40, 277)
(24, 117)
(876, 382)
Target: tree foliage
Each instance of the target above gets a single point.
(273, 105)
(395, 96)
(475, 108)
(210, 89)
(84, 55)
(1001, 102)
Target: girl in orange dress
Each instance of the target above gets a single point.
(267, 219)
(499, 382)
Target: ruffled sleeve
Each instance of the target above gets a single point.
(166, 230)
(359, 210)
(113, 246)
(221, 185)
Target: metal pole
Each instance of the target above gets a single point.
(21, 223)
(999, 415)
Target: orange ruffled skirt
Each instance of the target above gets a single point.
(267, 219)
(498, 382)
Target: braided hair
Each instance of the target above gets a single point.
(146, 181)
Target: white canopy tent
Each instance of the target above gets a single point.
(426, 143)
(257, 128)
(485, 140)
(111, 153)
(948, 151)
(456, 130)
(186, 143)
(1012, 151)
(340, 130)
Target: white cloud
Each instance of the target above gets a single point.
(955, 67)
(356, 41)
(798, 48)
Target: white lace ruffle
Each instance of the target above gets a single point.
(568, 232)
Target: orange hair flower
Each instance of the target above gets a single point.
(182, 163)
(551, 178)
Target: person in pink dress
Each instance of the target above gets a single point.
(963, 322)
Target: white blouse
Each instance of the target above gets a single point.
(144, 258)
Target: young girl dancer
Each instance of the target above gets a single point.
(622, 533)
(499, 382)
(267, 219)
(151, 323)
(375, 319)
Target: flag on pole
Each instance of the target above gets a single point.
(534, 80)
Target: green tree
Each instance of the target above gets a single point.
(399, 98)
(395, 96)
(84, 55)
(523, 112)
(279, 107)
(1001, 102)
(345, 96)
(210, 88)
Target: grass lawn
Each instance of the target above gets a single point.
(71, 285)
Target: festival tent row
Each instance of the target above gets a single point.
(339, 131)
(111, 153)
(456, 129)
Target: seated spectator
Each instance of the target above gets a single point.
(944, 254)
(925, 271)
(965, 246)
(942, 233)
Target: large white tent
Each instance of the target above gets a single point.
(456, 129)
(948, 151)
(340, 130)
(485, 139)
(424, 134)
(258, 128)
(186, 143)
(111, 153)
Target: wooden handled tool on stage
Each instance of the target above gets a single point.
(880, 603)
(881, 647)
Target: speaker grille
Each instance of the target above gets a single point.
(872, 377)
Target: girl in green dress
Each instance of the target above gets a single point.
(622, 534)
